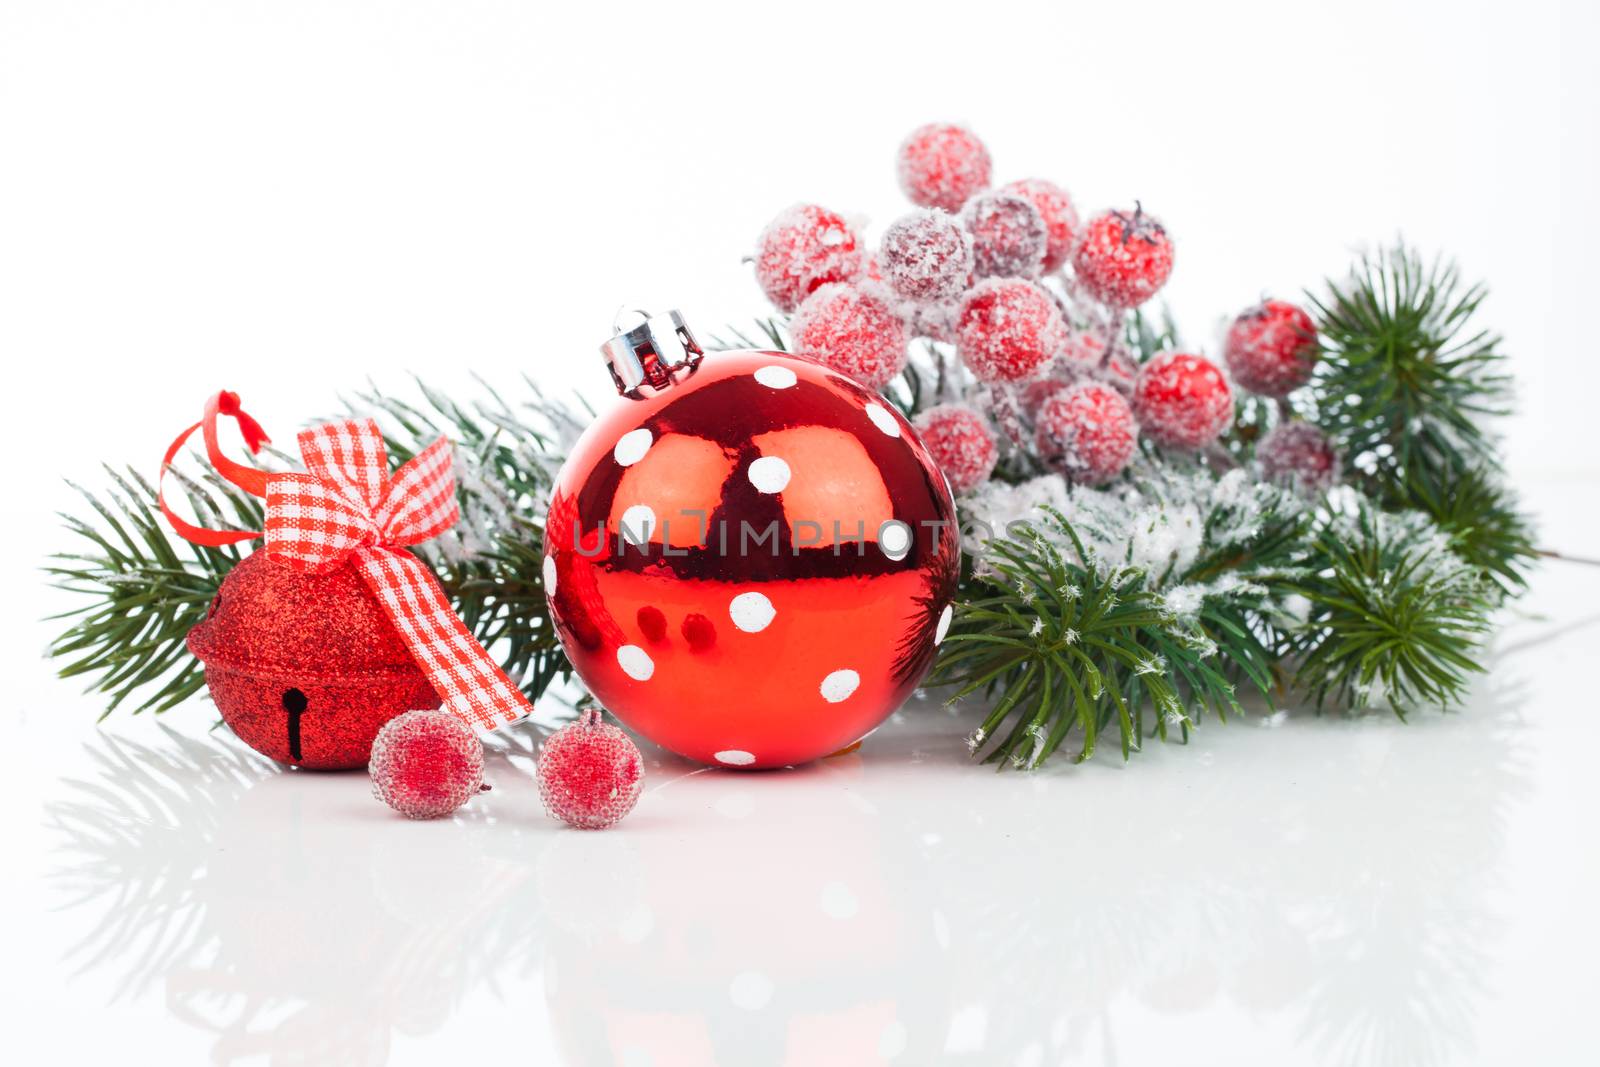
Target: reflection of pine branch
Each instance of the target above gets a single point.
(156, 847)
(136, 845)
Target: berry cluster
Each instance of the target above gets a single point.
(1035, 304)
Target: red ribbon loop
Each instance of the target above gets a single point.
(346, 507)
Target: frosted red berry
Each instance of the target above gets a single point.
(934, 320)
(927, 256)
(803, 249)
(941, 165)
(1033, 395)
(590, 773)
(1272, 348)
(426, 764)
(1008, 330)
(1124, 257)
(1182, 400)
(1089, 430)
(960, 442)
(1060, 217)
(1300, 456)
(1008, 236)
(852, 330)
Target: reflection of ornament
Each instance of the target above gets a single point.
(1272, 348)
(1182, 400)
(333, 628)
(752, 559)
(426, 764)
(590, 773)
(1123, 257)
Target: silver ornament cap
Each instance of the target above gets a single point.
(652, 353)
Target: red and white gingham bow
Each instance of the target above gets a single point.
(346, 506)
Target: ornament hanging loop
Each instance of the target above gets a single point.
(653, 353)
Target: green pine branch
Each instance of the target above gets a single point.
(142, 588)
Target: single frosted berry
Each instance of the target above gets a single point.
(804, 248)
(1272, 348)
(1089, 430)
(927, 256)
(1123, 257)
(1033, 395)
(853, 331)
(1182, 400)
(1300, 456)
(961, 444)
(590, 773)
(426, 764)
(1008, 236)
(1008, 329)
(1060, 217)
(942, 165)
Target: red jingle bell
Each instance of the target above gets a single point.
(751, 560)
(305, 668)
(334, 628)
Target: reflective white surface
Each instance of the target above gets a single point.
(1291, 890)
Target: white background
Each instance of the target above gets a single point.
(288, 198)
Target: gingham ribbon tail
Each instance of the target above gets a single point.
(346, 506)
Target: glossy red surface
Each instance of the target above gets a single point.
(767, 615)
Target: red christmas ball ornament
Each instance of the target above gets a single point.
(1123, 258)
(852, 330)
(1090, 430)
(927, 256)
(1182, 400)
(1300, 456)
(942, 165)
(1271, 349)
(782, 529)
(426, 764)
(961, 443)
(590, 773)
(1009, 238)
(1008, 329)
(803, 249)
(305, 668)
(1055, 208)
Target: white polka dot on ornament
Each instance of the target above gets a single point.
(770, 474)
(838, 685)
